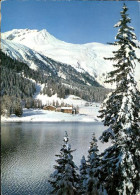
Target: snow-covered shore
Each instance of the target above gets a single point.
(86, 114)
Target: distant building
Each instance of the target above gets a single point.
(51, 108)
(67, 109)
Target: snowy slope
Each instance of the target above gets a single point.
(57, 70)
(85, 57)
(20, 52)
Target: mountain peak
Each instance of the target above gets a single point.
(30, 38)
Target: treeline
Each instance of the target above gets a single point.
(11, 105)
(88, 93)
(14, 105)
(13, 84)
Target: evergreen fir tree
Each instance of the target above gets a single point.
(92, 167)
(83, 175)
(64, 180)
(120, 163)
(6, 105)
(18, 108)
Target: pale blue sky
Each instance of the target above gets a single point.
(70, 21)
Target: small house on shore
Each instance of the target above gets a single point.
(68, 110)
(51, 108)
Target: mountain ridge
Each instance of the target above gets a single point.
(87, 57)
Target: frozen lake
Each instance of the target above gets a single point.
(28, 152)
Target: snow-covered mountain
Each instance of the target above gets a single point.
(37, 61)
(24, 43)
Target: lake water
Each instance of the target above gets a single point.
(28, 153)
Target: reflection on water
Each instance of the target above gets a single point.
(28, 153)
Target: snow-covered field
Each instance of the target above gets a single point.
(86, 114)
